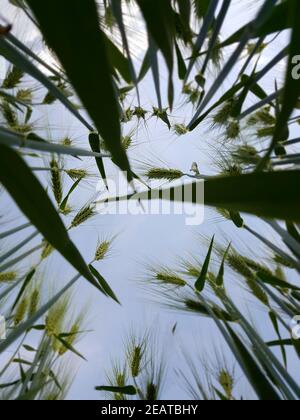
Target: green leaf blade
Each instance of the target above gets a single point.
(200, 283)
(75, 49)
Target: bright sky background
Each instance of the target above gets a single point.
(144, 240)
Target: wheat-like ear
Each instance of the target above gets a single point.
(232, 170)
(151, 391)
(70, 339)
(226, 380)
(162, 276)
(66, 141)
(25, 95)
(279, 259)
(127, 142)
(221, 117)
(240, 266)
(9, 114)
(169, 278)
(194, 95)
(217, 373)
(102, 250)
(140, 113)
(8, 277)
(20, 312)
(136, 359)
(118, 377)
(76, 174)
(217, 54)
(252, 48)
(265, 132)
(13, 78)
(187, 89)
(164, 174)
(82, 216)
(245, 155)
(34, 300)
(56, 181)
(181, 129)
(262, 117)
(265, 117)
(109, 18)
(190, 268)
(55, 317)
(233, 130)
(46, 251)
(127, 115)
(12, 120)
(62, 375)
(257, 267)
(136, 353)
